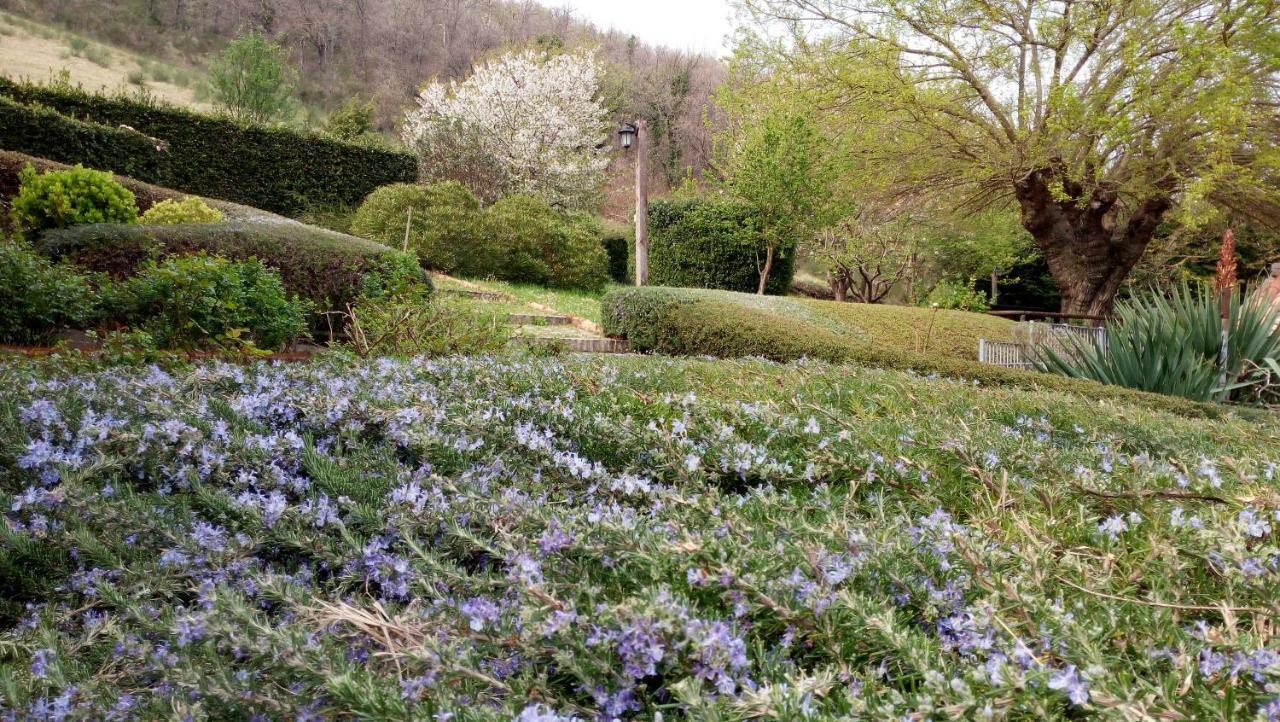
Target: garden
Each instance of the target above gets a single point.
(420, 421)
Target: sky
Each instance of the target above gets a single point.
(700, 25)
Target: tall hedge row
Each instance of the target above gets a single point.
(49, 134)
(276, 169)
(712, 243)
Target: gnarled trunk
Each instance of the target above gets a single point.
(1088, 251)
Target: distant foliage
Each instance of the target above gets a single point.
(713, 243)
(252, 80)
(193, 301)
(187, 210)
(532, 117)
(352, 121)
(48, 134)
(617, 239)
(40, 297)
(534, 244)
(1170, 344)
(959, 295)
(446, 229)
(273, 168)
(58, 199)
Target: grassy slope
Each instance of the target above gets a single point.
(38, 52)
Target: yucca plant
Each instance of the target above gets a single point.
(1170, 343)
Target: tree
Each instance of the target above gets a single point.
(866, 258)
(1095, 120)
(352, 121)
(776, 164)
(252, 79)
(532, 117)
(987, 244)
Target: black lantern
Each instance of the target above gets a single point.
(628, 133)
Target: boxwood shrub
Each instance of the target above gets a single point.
(49, 134)
(325, 267)
(447, 230)
(274, 168)
(712, 243)
(535, 244)
(72, 197)
(690, 322)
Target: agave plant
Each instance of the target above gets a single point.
(1170, 344)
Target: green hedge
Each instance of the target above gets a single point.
(273, 168)
(712, 243)
(47, 133)
(691, 323)
(146, 194)
(326, 267)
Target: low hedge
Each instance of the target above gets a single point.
(712, 243)
(691, 323)
(146, 194)
(275, 168)
(326, 267)
(44, 132)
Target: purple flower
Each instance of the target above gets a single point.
(1069, 680)
(40, 660)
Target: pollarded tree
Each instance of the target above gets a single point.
(1096, 119)
(523, 123)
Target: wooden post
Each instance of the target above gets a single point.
(642, 207)
(408, 223)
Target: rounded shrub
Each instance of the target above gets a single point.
(201, 300)
(40, 297)
(537, 245)
(188, 210)
(958, 295)
(446, 229)
(72, 197)
(712, 243)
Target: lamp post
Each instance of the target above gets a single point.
(634, 134)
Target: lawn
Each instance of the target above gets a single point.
(492, 537)
(584, 304)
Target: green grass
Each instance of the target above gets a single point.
(584, 304)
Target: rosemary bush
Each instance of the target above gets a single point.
(482, 538)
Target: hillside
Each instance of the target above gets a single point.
(386, 49)
(41, 53)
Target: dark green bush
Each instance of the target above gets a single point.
(49, 134)
(201, 300)
(712, 243)
(535, 244)
(617, 239)
(63, 198)
(701, 323)
(322, 266)
(40, 297)
(447, 229)
(273, 168)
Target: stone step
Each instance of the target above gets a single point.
(486, 295)
(538, 319)
(582, 345)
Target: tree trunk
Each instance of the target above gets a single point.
(995, 288)
(839, 286)
(1088, 251)
(764, 272)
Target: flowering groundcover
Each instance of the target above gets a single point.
(519, 538)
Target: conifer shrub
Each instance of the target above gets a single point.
(188, 210)
(72, 197)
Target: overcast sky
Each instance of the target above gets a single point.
(700, 25)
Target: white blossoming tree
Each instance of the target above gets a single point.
(524, 122)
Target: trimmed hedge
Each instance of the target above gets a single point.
(689, 322)
(448, 229)
(712, 243)
(50, 134)
(146, 195)
(275, 168)
(326, 267)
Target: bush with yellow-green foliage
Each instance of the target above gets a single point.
(72, 197)
(188, 210)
